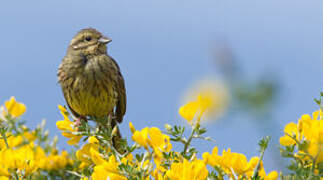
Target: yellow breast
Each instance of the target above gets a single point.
(93, 91)
(88, 99)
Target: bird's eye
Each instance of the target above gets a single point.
(88, 38)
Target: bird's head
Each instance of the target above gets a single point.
(88, 41)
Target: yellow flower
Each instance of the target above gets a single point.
(307, 129)
(207, 98)
(273, 175)
(290, 129)
(86, 153)
(22, 159)
(160, 143)
(108, 170)
(141, 137)
(212, 159)
(55, 161)
(93, 140)
(189, 110)
(30, 136)
(152, 137)
(67, 126)
(96, 157)
(195, 170)
(157, 175)
(234, 161)
(4, 171)
(158, 140)
(13, 141)
(234, 164)
(132, 128)
(195, 108)
(128, 159)
(14, 108)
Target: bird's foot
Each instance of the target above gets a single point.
(78, 122)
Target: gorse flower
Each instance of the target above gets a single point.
(186, 170)
(235, 164)
(107, 170)
(207, 99)
(151, 137)
(14, 108)
(84, 154)
(67, 126)
(21, 159)
(196, 109)
(156, 140)
(54, 161)
(30, 154)
(307, 135)
(13, 141)
(21, 153)
(27, 159)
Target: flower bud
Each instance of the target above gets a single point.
(132, 128)
(168, 127)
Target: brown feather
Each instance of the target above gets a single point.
(91, 80)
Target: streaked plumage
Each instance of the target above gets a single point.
(91, 80)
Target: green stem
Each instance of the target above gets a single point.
(146, 156)
(3, 134)
(263, 144)
(188, 142)
(255, 173)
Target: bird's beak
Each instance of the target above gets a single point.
(104, 40)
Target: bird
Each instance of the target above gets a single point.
(91, 80)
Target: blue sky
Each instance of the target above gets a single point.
(162, 47)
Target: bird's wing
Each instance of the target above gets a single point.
(122, 97)
(64, 79)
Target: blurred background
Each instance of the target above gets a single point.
(268, 55)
